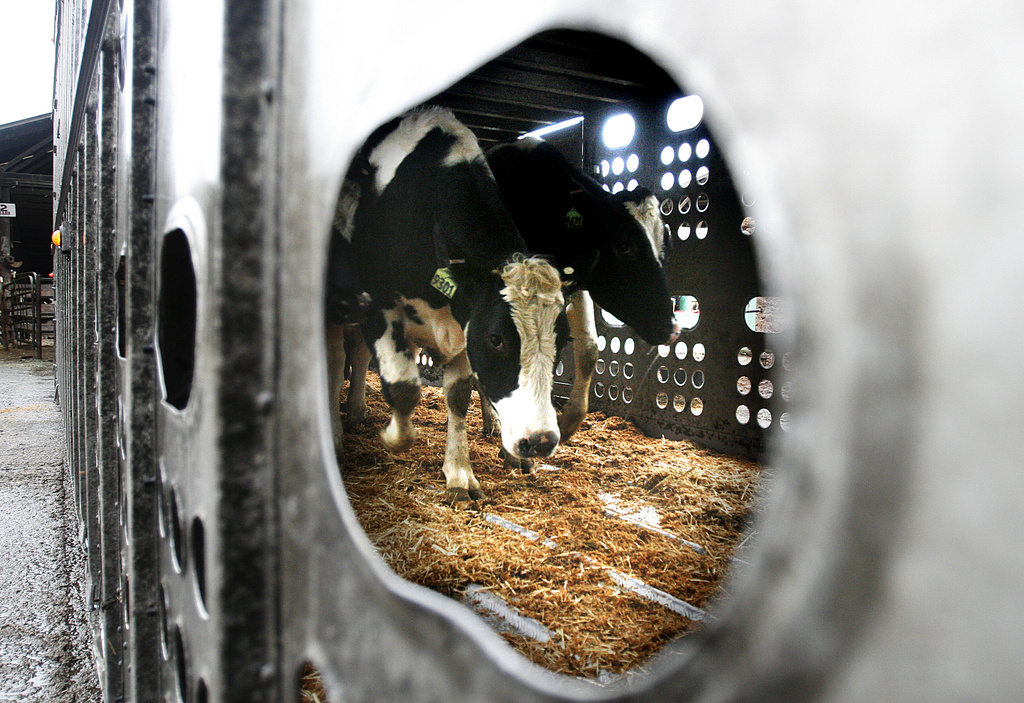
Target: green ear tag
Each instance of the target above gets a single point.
(573, 219)
(444, 282)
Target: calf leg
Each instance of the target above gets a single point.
(399, 376)
(359, 357)
(335, 338)
(460, 483)
(584, 351)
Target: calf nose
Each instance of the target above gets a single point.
(537, 444)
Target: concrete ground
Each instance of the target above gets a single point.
(45, 639)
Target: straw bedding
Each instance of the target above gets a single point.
(561, 568)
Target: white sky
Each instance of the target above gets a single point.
(26, 45)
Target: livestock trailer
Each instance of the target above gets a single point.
(834, 167)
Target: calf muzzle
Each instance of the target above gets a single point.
(538, 444)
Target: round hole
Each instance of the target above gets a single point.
(765, 389)
(687, 311)
(176, 318)
(747, 226)
(599, 389)
(679, 403)
(698, 352)
(663, 350)
(605, 168)
(618, 187)
(627, 370)
(667, 154)
(767, 359)
(683, 232)
(599, 366)
(199, 561)
(618, 165)
(745, 356)
(697, 379)
(632, 163)
(702, 202)
(685, 113)
(703, 173)
(667, 206)
(615, 345)
(679, 377)
(613, 368)
(685, 151)
(177, 662)
(618, 130)
(628, 346)
(786, 392)
(680, 350)
(696, 406)
(702, 229)
(667, 181)
(601, 342)
(764, 418)
(613, 392)
(685, 178)
(684, 205)
(633, 184)
(627, 395)
(702, 149)
(174, 533)
(560, 369)
(742, 414)
(663, 374)
(661, 400)
(743, 385)
(787, 361)
(784, 421)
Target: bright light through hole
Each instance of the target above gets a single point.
(685, 113)
(618, 130)
(667, 154)
(618, 164)
(633, 163)
(703, 147)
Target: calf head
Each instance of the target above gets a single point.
(516, 328)
(628, 279)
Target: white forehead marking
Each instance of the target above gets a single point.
(389, 154)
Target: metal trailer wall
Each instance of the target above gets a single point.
(200, 148)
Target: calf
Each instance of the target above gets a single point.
(424, 254)
(608, 247)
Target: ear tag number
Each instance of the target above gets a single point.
(573, 219)
(444, 282)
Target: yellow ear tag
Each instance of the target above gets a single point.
(444, 282)
(573, 219)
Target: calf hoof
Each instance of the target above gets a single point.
(454, 496)
(355, 418)
(568, 422)
(395, 442)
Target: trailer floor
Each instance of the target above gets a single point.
(45, 639)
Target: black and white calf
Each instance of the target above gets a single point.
(611, 247)
(424, 255)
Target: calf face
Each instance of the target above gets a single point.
(516, 328)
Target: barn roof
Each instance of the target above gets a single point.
(551, 77)
(26, 152)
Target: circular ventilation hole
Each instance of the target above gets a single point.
(613, 392)
(679, 403)
(560, 369)
(765, 389)
(679, 377)
(663, 374)
(747, 226)
(599, 366)
(742, 414)
(685, 178)
(613, 368)
(764, 418)
(664, 350)
(628, 346)
(696, 406)
(703, 202)
(683, 232)
(702, 149)
(685, 151)
(701, 230)
(661, 400)
(627, 370)
(697, 379)
(618, 165)
(684, 205)
(632, 163)
(767, 359)
(784, 421)
(698, 352)
(599, 389)
(615, 345)
(743, 385)
(627, 395)
(667, 206)
(601, 342)
(667, 154)
(745, 356)
(667, 181)
(703, 173)
(680, 350)
(176, 318)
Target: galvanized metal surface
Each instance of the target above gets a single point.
(830, 116)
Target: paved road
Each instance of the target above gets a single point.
(45, 641)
